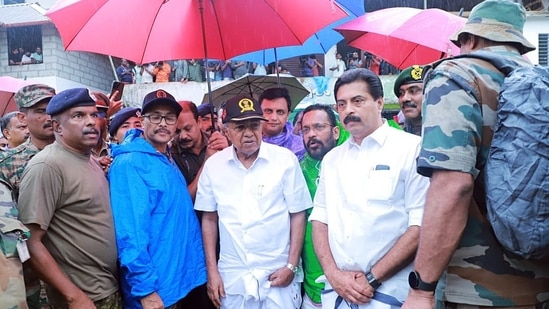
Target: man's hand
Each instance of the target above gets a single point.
(282, 277)
(215, 288)
(216, 142)
(152, 301)
(419, 300)
(81, 301)
(352, 286)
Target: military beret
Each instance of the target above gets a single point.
(70, 98)
(30, 95)
(159, 97)
(241, 108)
(205, 109)
(124, 114)
(410, 75)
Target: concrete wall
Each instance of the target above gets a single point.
(60, 69)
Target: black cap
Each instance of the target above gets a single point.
(160, 97)
(122, 115)
(70, 98)
(241, 108)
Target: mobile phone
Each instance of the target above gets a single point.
(117, 86)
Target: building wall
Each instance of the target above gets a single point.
(535, 24)
(63, 68)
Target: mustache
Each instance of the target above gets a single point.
(316, 140)
(351, 118)
(162, 129)
(47, 125)
(91, 131)
(409, 104)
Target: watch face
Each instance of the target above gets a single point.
(413, 280)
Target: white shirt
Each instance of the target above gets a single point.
(368, 195)
(341, 67)
(147, 77)
(253, 206)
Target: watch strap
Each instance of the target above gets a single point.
(372, 280)
(422, 285)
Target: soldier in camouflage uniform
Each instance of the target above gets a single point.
(32, 101)
(12, 286)
(459, 115)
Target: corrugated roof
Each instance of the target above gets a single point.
(25, 14)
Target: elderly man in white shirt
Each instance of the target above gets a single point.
(369, 203)
(255, 195)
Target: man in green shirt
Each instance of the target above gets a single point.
(321, 133)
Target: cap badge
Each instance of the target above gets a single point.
(161, 94)
(92, 96)
(416, 72)
(246, 105)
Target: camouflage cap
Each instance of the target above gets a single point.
(410, 75)
(499, 21)
(29, 95)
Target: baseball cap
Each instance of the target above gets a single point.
(241, 108)
(159, 97)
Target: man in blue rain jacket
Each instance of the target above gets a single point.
(157, 232)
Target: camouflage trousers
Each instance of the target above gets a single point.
(448, 305)
(12, 285)
(113, 301)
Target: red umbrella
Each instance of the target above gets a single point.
(404, 36)
(151, 30)
(8, 87)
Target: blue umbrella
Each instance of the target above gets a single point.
(318, 43)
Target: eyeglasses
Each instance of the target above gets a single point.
(317, 127)
(156, 119)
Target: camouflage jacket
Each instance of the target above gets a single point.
(459, 114)
(13, 162)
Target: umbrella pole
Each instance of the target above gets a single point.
(207, 66)
(277, 70)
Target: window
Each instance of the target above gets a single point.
(543, 39)
(25, 45)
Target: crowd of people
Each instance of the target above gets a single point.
(174, 205)
(196, 70)
(20, 56)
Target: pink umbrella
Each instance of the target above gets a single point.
(8, 87)
(404, 36)
(151, 30)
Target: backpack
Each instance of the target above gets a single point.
(516, 175)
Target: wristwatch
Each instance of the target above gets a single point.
(292, 267)
(417, 284)
(372, 281)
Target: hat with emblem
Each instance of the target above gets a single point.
(30, 95)
(410, 75)
(160, 97)
(499, 21)
(119, 118)
(70, 98)
(241, 108)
